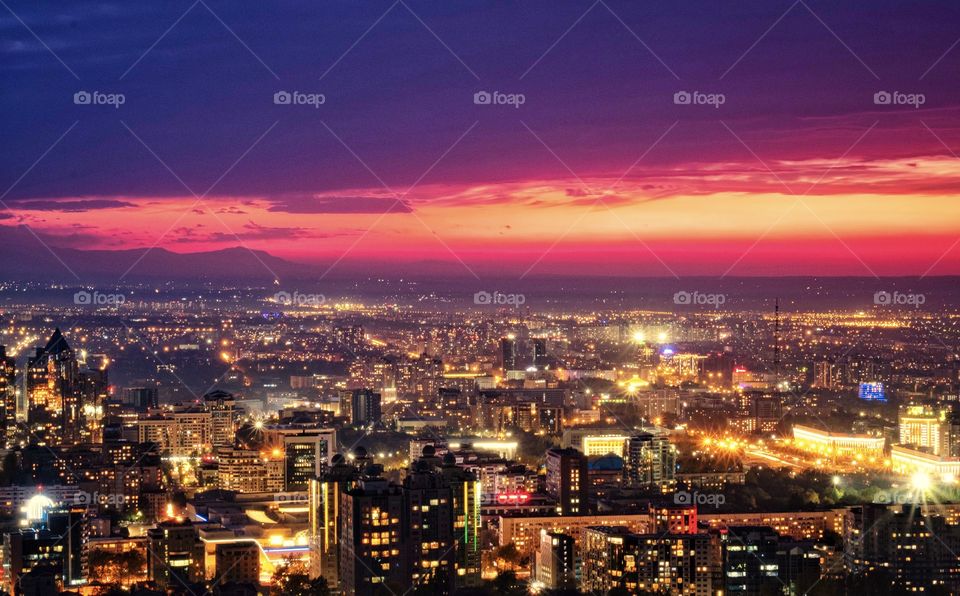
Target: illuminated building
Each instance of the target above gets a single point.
(307, 453)
(324, 494)
(757, 560)
(222, 412)
(926, 427)
(555, 563)
(429, 538)
(182, 431)
(799, 525)
(245, 471)
(467, 524)
(567, 474)
(917, 551)
(237, 562)
(872, 391)
(175, 554)
(372, 553)
(651, 460)
(832, 444)
(364, 407)
(53, 542)
(615, 558)
(907, 461)
(8, 398)
(596, 441)
(508, 354)
(65, 404)
(524, 531)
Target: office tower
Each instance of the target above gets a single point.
(566, 481)
(175, 554)
(365, 408)
(555, 566)
(324, 495)
(185, 431)
(372, 554)
(616, 559)
(508, 353)
(8, 398)
(237, 562)
(538, 349)
(429, 529)
(651, 460)
(927, 427)
(222, 406)
(51, 381)
(141, 397)
(306, 453)
(52, 548)
(467, 524)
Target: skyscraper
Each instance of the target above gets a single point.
(567, 480)
(365, 407)
(555, 566)
(508, 353)
(372, 555)
(51, 384)
(8, 397)
(429, 536)
(651, 460)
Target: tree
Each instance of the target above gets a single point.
(291, 579)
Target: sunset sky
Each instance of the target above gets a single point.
(599, 171)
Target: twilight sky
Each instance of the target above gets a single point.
(799, 171)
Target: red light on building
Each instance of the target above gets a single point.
(518, 498)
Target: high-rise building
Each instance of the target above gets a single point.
(222, 407)
(8, 398)
(307, 453)
(614, 558)
(555, 566)
(372, 553)
(538, 348)
(757, 560)
(365, 407)
(429, 530)
(508, 354)
(64, 401)
(324, 496)
(175, 554)
(466, 490)
(926, 427)
(566, 482)
(651, 460)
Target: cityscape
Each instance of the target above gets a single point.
(479, 298)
